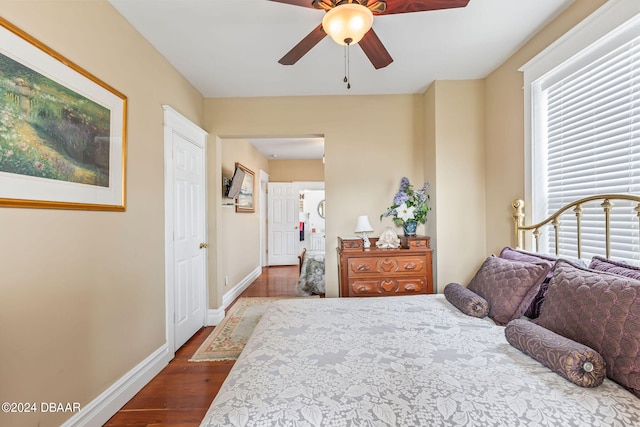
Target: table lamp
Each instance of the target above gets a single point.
(364, 226)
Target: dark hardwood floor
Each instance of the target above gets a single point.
(181, 394)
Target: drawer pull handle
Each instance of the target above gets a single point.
(410, 287)
(410, 266)
(363, 267)
(363, 289)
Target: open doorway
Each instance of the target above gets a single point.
(241, 236)
(296, 163)
(312, 218)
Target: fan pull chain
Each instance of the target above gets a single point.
(347, 77)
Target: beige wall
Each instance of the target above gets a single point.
(429, 161)
(352, 187)
(240, 235)
(296, 170)
(394, 148)
(455, 154)
(505, 126)
(82, 293)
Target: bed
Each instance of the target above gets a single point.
(466, 357)
(311, 280)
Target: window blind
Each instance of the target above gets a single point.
(591, 137)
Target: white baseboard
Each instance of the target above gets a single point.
(103, 407)
(215, 315)
(234, 292)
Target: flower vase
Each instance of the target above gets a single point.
(409, 228)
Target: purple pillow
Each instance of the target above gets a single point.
(533, 310)
(576, 362)
(614, 267)
(508, 286)
(466, 301)
(522, 255)
(599, 310)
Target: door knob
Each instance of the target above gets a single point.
(203, 246)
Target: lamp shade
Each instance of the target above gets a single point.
(347, 23)
(363, 225)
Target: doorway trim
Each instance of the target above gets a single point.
(175, 122)
(264, 181)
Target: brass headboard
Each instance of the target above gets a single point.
(607, 204)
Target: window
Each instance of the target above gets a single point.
(585, 140)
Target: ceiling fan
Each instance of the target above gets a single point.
(366, 9)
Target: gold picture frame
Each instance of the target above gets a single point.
(62, 130)
(245, 200)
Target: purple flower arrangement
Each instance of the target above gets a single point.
(409, 205)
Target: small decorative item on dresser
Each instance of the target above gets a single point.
(409, 228)
(409, 207)
(364, 226)
(388, 240)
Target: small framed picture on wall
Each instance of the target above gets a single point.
(245, 201)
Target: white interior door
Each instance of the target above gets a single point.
(283, 223)
(185, 208)
(189, 238)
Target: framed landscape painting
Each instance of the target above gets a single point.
(62, 130)
(244, 202)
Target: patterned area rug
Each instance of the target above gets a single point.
(227, 339)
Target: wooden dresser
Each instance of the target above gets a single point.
(382, 272)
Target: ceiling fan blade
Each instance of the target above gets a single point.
(392, 6)
(375, 50)
(304, 46)
(404, 6)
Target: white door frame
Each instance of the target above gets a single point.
(264, 181)
(174, 122)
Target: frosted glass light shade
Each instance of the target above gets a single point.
(347, 23)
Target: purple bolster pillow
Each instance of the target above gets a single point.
(576, 362)
(466, 301)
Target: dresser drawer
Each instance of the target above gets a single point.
(386, 286)
(420, 242)
(351, 244)
(387, 265)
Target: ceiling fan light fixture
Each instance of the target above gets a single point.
(347, 23)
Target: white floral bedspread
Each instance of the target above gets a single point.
(399, 361)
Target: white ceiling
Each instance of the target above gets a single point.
(231, 48)
(289, 148)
